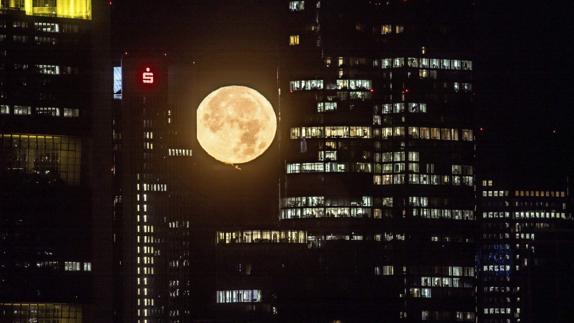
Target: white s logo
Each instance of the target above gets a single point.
(147, 76)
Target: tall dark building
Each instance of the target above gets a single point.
(377, 138)
(526, 238)
(377, 198)
(151, 257)
(46, 141)
(142, 117)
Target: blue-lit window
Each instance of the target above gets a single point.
(117, 82)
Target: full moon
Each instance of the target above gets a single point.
(235, 124)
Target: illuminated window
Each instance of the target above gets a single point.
(387, 63)
(467, 135)
(423, 74)
(71, 266)
(239, 296)
(4, 109)
(445, 134)
(386, 29)
(331, 132)
(48, 69)
(180, 152)
(71, 113)
(425, 315)
(117, 85)
(456, 169)
(306, 85)
(424, 62)
(388, 270)
(359, 95)
(78, 9)
(48, 111)
(435, 133)
(327, 155)
(326, 106)
(414, 132)
(456, 64)
(360, 132)
(296, 5)
(47, 27)
(22, 110)
(43, 40)
(425, 133)
(466, 65)
(42, 312)
(336, 132)
(293, 40)
(354, 84)
(413, 62)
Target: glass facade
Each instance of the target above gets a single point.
(58, 157)
(46, 86)
(76, 9)
(517, 263)
(41, 313)
(261, 236)
(386, 169)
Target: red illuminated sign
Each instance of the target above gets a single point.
(147, 76)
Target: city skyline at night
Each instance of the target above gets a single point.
(285, 161)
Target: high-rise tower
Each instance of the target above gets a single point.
(46, 124)
(525, 241)
(140, 120)
(378, 144)
(151, 233)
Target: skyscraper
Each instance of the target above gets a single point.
(378, 143)
(141, 118)
(377, 212)
(524, 263)
(46, 110)
(151, 219)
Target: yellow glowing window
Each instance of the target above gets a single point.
(386, 29)
(293, 40)
(76, 9)
(43, 312)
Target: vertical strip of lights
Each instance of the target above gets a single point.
(145, 236)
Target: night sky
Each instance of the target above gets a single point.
(524, 74)
(523, 66)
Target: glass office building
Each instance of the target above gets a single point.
(46, 83)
